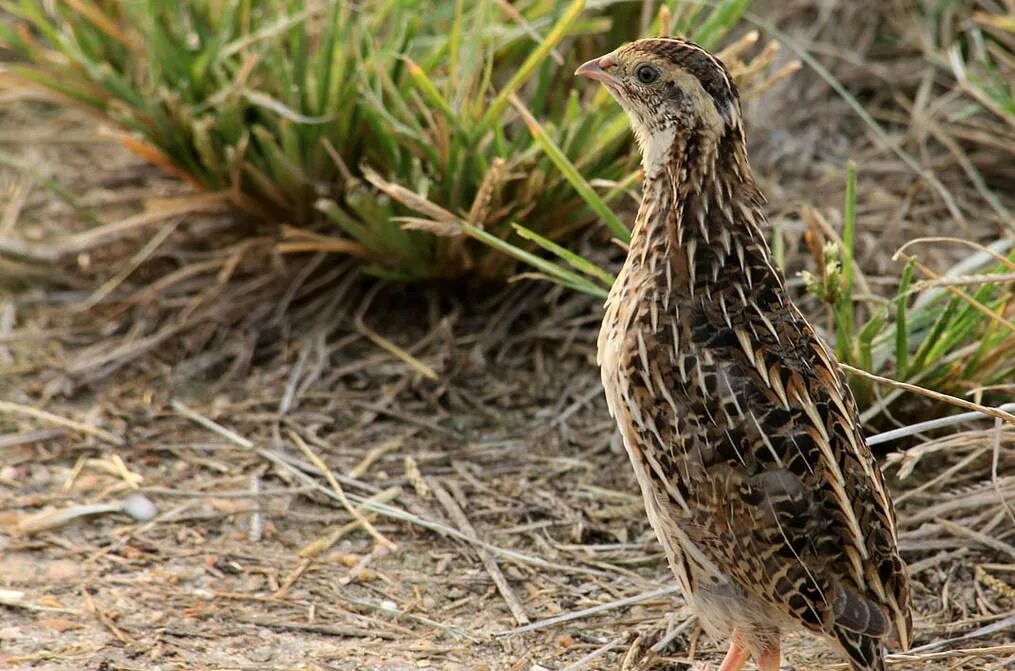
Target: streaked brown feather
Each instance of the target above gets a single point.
(740, 426)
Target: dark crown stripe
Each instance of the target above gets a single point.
(709, 70)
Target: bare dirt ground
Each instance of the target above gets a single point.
(354, 476)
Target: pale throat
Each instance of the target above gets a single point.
(671, 177)
(656, 148)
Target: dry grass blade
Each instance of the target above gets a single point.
(340, 493)
(982, 249)
(411, 200)
(976, 536)
(783, 73)
(299, 241)
(158, 211)
(964, 280)
(143, 254)
(211, 425)
(480, 209)
(104, 618)
(438, 228)
(50, 418)
(396, 351)
(1004, 625)
(931, 424)
(937, 396)
(405, 516)
(386, 344)
(951, 288)
(588, 612)
(326, 541)
(994, 462)
(737, 48)
(489, 563)
(594, 655)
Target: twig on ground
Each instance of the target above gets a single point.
(489, 563)
(586, 612)
(995, 459)
(373, 455)
(35, 413)
(931, 424)
(1006, 624)
(937, 396)
(972, 534)
(256, 517)
(595, 654)
(387, 345)
(211, 425)
(339, 492)
(104, 619)
(326, 629)
(323, 543)
(405, 516)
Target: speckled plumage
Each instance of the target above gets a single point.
(743, 434)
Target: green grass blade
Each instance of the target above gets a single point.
(531, 64)
(556, 272)
(571, 173)
(576, 261)
(431, 93)
(723, 16)
(901, 335)
(865, 341)
(844, 326)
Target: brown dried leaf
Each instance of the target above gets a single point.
(58, 624)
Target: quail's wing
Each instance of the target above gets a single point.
(757, 445)
(790, 502)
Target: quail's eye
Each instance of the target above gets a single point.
(646, 73)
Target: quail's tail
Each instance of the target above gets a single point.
(865, 653)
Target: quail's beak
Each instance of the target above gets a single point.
(599, 70)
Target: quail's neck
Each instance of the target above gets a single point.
(701, 210)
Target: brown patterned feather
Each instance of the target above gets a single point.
(742, 431)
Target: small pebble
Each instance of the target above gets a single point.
(261, 655)
(11, 597)
(140, 507)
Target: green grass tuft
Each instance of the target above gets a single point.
(282, 106)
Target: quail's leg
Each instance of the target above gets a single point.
(769, 660)
(736, 656)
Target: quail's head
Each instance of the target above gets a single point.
(668, 87)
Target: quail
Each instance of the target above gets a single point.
(744, 436)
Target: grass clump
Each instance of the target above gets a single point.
(953, 332)
(229, 96)
(975, 40)
(298, 111)
(533, 191)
